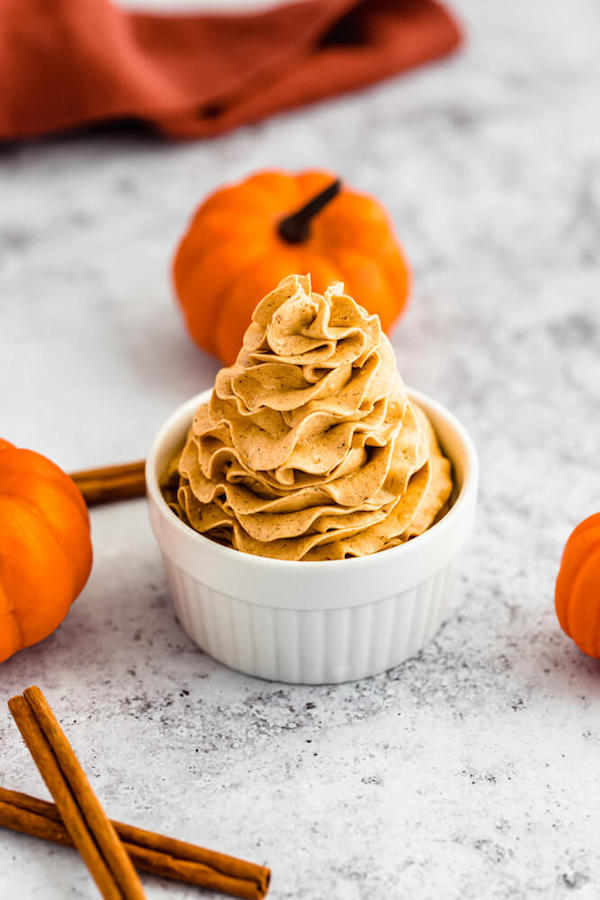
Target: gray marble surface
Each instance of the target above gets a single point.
(472, 770)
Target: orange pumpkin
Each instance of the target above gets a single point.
(246, 237)
(578, 587)
(45, 547)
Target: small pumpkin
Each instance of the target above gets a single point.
(45, 547)
(246, 237)
(577, 594)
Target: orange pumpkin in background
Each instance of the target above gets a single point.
(45, 547)
(246, 237)
(577, 593)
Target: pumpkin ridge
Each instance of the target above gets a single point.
(579, 577)
(52, 474)
(250, 271)
(49, 480)
(588, 524)
(61, 560)
(192, 252)
(574, 558)
(10, 608)
(77, 588)
(30, 628)
(39, 515)
(359, 257)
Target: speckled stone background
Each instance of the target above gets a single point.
(473, 770)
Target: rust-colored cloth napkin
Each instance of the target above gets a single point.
(71, 63)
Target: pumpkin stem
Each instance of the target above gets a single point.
(295, 229)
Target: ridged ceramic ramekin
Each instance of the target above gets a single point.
(313, 622)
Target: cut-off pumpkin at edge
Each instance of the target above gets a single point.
(45, 547)
(577, 594)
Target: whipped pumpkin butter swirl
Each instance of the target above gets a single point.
(309, 448)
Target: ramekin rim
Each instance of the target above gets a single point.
(229, 554)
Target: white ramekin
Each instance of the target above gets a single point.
(313, 622)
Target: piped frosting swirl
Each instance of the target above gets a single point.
(309, 448)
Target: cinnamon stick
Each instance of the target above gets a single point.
(110, 483)
(80, 809)
(150, 852)
(58, 787)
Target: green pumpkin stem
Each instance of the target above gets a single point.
(295, 229)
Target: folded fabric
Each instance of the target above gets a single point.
(71, 63)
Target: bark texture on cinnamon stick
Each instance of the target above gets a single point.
(80, 810)
(111, 483)
(150, 852)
